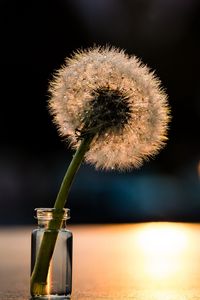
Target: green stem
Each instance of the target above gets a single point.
(41, 267)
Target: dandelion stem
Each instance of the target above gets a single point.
(41, 267)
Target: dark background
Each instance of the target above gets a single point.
(35, 38)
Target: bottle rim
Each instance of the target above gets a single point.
(48, 214)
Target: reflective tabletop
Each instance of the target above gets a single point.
(143, 261)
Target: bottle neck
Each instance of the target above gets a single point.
(44, 224)
(45, 215)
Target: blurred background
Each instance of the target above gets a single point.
(35, 38)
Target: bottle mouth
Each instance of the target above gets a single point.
(48, 214)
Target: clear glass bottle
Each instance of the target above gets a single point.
(59, 279)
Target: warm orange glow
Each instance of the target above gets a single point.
(162, 247)
(198, 169)
(160, 238)
(158, 260)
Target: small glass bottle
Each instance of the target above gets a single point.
(59, 279)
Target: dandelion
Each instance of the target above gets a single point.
(116, 98)
(113, 111)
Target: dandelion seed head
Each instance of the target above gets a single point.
(115, 97)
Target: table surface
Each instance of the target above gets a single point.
(145, 261)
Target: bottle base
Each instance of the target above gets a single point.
(51, 297)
